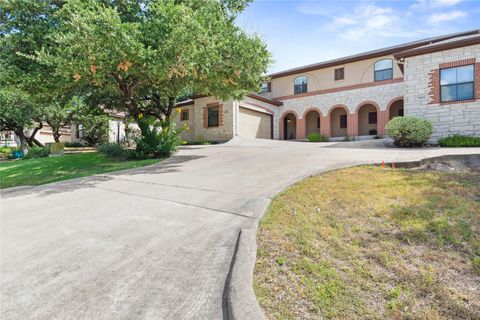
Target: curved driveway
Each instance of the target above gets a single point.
(154, 242)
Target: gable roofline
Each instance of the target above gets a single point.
(263, 99)
(440, 46)
(371, 54)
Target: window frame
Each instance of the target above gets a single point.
(343, 116)
(304, 86)
(456, 84)
(370, 114)
(342, 74)
(267, 88)
(182, 113)
(375, 71)
(213, 107)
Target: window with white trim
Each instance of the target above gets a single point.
(300, 84)
(384, 70)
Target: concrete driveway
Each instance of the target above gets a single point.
(155, 242)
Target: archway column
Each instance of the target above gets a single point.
(382, 121)
(300, 134)
(281, 129)
(352, 124)
(325, 126)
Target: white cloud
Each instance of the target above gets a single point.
(367, 21)
(445, 16)
(433, 4)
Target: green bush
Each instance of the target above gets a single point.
(316, 137)
(75, 144)
(37, 152)
(113, 150)
(458, 140)
(5, 149)
(409, 131)
(158, 139)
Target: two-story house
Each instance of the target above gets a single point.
(437, 79)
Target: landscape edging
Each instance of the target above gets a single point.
(241, 300)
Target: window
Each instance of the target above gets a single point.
(300, 84)
(339, 74)
(184, 115)
(372, 117)
(456, 84)
(266, 87)
(383, 70)
(79, 132)
(318, 123)
(343, 121)
(213, 116)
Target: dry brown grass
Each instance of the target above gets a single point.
(372, 243)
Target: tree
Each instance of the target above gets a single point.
(147, 55)
(25, 26)
(17, 114)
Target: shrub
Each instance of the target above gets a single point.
(459, 141)
(158, 139)
(5, 149)
(316, 137)
(409, 131)
(37, 152)
(113, 150)
(75, 144)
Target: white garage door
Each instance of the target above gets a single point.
(254, 124)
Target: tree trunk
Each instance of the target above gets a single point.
(31, 140)
(23, 141)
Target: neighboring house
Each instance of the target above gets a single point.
(437, 79)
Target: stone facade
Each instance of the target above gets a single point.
(378, 95)
(422, 92)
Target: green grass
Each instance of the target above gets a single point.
(459, 141)
(372, 243)
(44, 170)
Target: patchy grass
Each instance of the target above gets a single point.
(372, 243)
(44, 170)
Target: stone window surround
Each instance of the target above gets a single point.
(220, 115)
(434, 82)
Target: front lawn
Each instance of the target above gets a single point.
(44, 170)
(372, 243)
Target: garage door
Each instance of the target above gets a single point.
(254, 124)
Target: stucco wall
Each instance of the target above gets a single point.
(358, 72)
(447, 119)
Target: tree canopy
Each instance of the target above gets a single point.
(146, 54)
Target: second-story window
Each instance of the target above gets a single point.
(339, 74)
(456, 84)
(266, 87)
(384, 70)
(300, 84)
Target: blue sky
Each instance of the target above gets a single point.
(303, 32)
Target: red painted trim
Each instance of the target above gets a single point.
(340, 89)
(312, 109)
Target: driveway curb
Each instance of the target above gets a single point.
(241, 300)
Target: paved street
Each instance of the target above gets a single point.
(154, 242)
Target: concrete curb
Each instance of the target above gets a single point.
(241, 301)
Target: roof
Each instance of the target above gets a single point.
(439, 46)
(263, 99)
(373, 54)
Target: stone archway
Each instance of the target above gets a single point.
(338, 122)
(290, 127)
(395, 109)
(367, 116)
(312, 121)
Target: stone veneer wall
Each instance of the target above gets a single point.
(422, 93)
(223, 132)
(381, 95)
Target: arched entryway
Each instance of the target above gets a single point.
(312, 121)
(395, 109)
(290, 127)
(367, 120)
(338, 122)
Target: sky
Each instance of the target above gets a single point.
(298, 32)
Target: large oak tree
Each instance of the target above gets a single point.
(145, 54)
